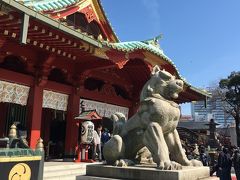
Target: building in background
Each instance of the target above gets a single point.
(213, 108)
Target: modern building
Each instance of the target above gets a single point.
(56, 54)
(212, 108)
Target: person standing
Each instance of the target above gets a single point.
(203, 157)
(224, 165)
(97, 143)
(104, 138)
(236, 163)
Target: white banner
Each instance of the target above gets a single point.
(13, 93)
(103, 109)
(54, 100)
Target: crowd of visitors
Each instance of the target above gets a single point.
(220, 162)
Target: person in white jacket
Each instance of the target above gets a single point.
(97, 143)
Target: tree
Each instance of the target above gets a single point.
(230, 88)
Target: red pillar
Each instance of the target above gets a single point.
(71, 139)
(35, 114)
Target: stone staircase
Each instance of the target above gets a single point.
(63, 170)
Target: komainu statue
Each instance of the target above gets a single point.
(153, 126)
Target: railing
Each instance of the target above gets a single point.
(6, 141)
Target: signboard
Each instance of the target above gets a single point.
(25, 168)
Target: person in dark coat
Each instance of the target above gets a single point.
(105, 137)
(203, 157)
(236, 163)
(224, 165)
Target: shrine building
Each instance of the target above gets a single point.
(58, 54)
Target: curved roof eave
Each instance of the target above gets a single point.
(48, 5)
(139, 45)
(59, 5)
(99, 4)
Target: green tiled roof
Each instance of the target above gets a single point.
(138, 45)
(48, 5)
(132, 46)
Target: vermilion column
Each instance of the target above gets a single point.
(35, 114)
(71, 139)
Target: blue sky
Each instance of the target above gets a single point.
(201, 37)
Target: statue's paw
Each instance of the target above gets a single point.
(169, 165)
(124, 163)
(195, 162)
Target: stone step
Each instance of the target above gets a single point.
(67, 172)
(78, 177)
(64, 170)
(64, 177)
(93, 178)
(64, 167)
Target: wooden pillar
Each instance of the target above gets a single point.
(36, 97)
(71, 140)
(35, 114)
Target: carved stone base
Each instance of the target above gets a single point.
(143, 172)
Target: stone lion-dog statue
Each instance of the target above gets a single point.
(153, 126)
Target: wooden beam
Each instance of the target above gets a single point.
(15, 77)
(24, 29)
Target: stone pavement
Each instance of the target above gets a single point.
(217, 178)
(77, 171)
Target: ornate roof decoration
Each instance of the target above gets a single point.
(153, 47)
(88, 115)
(132, 46)
(107, 20)
(62, 8)
(154, 41)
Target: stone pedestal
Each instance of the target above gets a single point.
(147, 172)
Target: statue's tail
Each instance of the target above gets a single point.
(119, 120)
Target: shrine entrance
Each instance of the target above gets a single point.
(53, 132)
(53, 124)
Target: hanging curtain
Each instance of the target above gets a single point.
(13, 93)
(112, 109)
(54, 100)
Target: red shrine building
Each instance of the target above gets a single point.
(58, 54)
